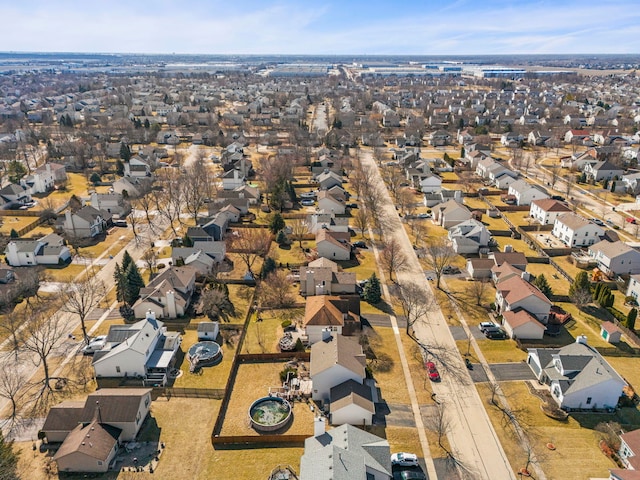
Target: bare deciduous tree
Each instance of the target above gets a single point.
(170, 197)
(250, 244)
(393, 257)
(439, 255)
(361, 221)
(81, 296)
(198, 186)
(12, 383)
(478, 287)
(415, 302)
(299, 229)
(275, 290)
(43, 335)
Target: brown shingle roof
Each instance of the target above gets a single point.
(517, 318)
(515, 289)
(94, 439)
(337, 350)
(551, 205)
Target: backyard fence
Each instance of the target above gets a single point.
(214, 393)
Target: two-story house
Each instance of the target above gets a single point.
(168, 294)
(615, 258)
(546, 211)
(575, 231)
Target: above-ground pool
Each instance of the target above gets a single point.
(269, 413)
(204, 354)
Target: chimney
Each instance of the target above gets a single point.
(526, 276)
(508, 248)
(582, 339)
(318, 426)
(171, 304)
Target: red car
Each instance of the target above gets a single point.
(434, 376)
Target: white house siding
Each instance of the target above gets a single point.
(352, 414)
(543, 217)
(451, 219)
(633, 289)
(332, 252)
(324, 381)
(582, 237)
(528, 331)
(331, 206)
(603, 395)
(142, 308)
(129, 362)
(626, 263)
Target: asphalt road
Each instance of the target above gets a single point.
(471, 434)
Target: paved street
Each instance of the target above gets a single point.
(471, 434)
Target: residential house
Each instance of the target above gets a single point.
(49, 250)
(516, 293)
(600, 171)
(633, 289)
(479, 268)
(329, 203)
(328, 179)
(7, 275)
(631, 183)
(43, 179)
(333, 245)
(113, 203)
(87, 222)
(433, 199)
(322, 277)
(14, 196)
(123, 408)
(351, 402)
(504, 271)
(629, 452)
(329, 221)
(577, 375)
(525, 193)
(545, 211)
(137, 167)
(144, 350)
(469, 236)
(577, 136)
(615, 258)
(580, 160)
(503, 179)
(89, 447)
(168, 294)
(339, 314)
(450, 213)
(537, 138)
(430, 184)
(521, 324)
(232, 179)
(576, 231)
(345, 453)
(335, 359)
(131, 187)
(440, 138)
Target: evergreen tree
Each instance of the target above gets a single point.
(13, 233)
(580, 283)
(146, 123)
(8, 459)
(95, 178)
(372, 291)
(186, 241)
(543, 285)
(126, 260)
(119, 167)
(133, 284)
(276, 223)
(631, 319)
(597, 290)
(281, 238)
(613, 186)
(125, 152)
(268, 266)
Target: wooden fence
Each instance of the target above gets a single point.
(168, 392)
(280, 440)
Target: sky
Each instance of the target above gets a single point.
(327, 27)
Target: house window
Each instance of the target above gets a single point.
(588, 400)
(371, 476)
(138, 418)
(117, 369)
(146, 402)
(99, 462)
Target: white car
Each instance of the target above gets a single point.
(308, 195)
(404, 459)
(484, 325)
(95, 344)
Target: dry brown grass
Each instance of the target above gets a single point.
(386, 367)
(252, 382)
(421, 383)
(207, 377)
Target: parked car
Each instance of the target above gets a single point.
(424, 215)
(352, 205)
(308, 202)
(450, 270)
(597, 221)
(360, 244)
(560, 198)
(308, 195)
(432, 371)
(94, 345)
(498, 334)
(119, 223)
(484, 325)
(404, 459)
(609, 222)
(413, 474)
(631, 220)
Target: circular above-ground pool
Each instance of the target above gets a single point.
(268, 414)
(204, 354)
